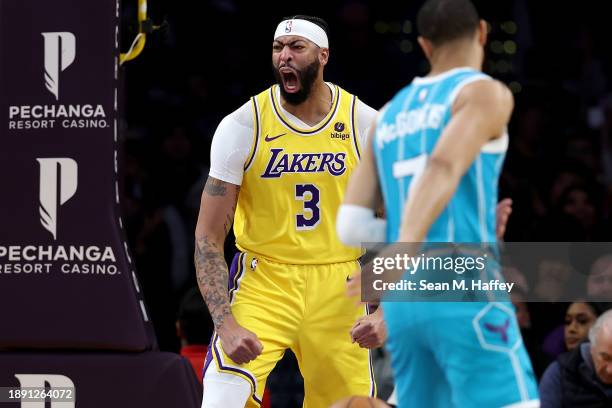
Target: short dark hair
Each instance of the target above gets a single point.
(196, 323)
(442, 21)
(316, 20)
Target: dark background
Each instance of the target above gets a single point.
(211, 56)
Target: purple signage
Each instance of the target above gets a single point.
(100, 380)
(66, 277)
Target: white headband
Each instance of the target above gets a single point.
(303, 28)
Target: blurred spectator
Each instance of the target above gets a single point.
(578, 203)
(565, 176)
(195, 328)
(579, 319)
(582, 377)
(513, 274)
(553, 279)
(575, 212)
(582, 148)
(599, 281)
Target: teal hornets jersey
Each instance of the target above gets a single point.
(407, 131)
(453, 348)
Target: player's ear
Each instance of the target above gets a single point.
(323, 56)
(426, 46)
(483, 31)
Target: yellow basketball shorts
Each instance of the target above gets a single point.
(303, 308)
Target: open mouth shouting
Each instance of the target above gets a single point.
(296, 84)
(290, 79)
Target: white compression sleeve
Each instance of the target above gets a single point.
(231, 145)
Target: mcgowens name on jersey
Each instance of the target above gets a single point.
(429, 116)
(281, 163)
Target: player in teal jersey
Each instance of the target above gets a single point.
(435, 157)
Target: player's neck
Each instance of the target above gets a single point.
(457, 56)
(315, 107)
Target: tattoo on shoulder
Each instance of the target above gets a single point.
(215, 187)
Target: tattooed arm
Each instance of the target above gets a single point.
(216, 215)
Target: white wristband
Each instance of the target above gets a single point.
(356, 225)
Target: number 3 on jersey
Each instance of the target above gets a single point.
(309, 194)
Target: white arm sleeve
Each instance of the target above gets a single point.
(356, 224)
(231, 145)
(365, 120)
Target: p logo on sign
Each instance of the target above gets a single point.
(60, 50)
(52, 193)
(38, 381)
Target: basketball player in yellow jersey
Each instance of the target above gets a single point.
(279, 168)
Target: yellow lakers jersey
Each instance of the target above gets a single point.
(294, 183)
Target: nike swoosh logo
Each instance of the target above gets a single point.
(269, 139)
